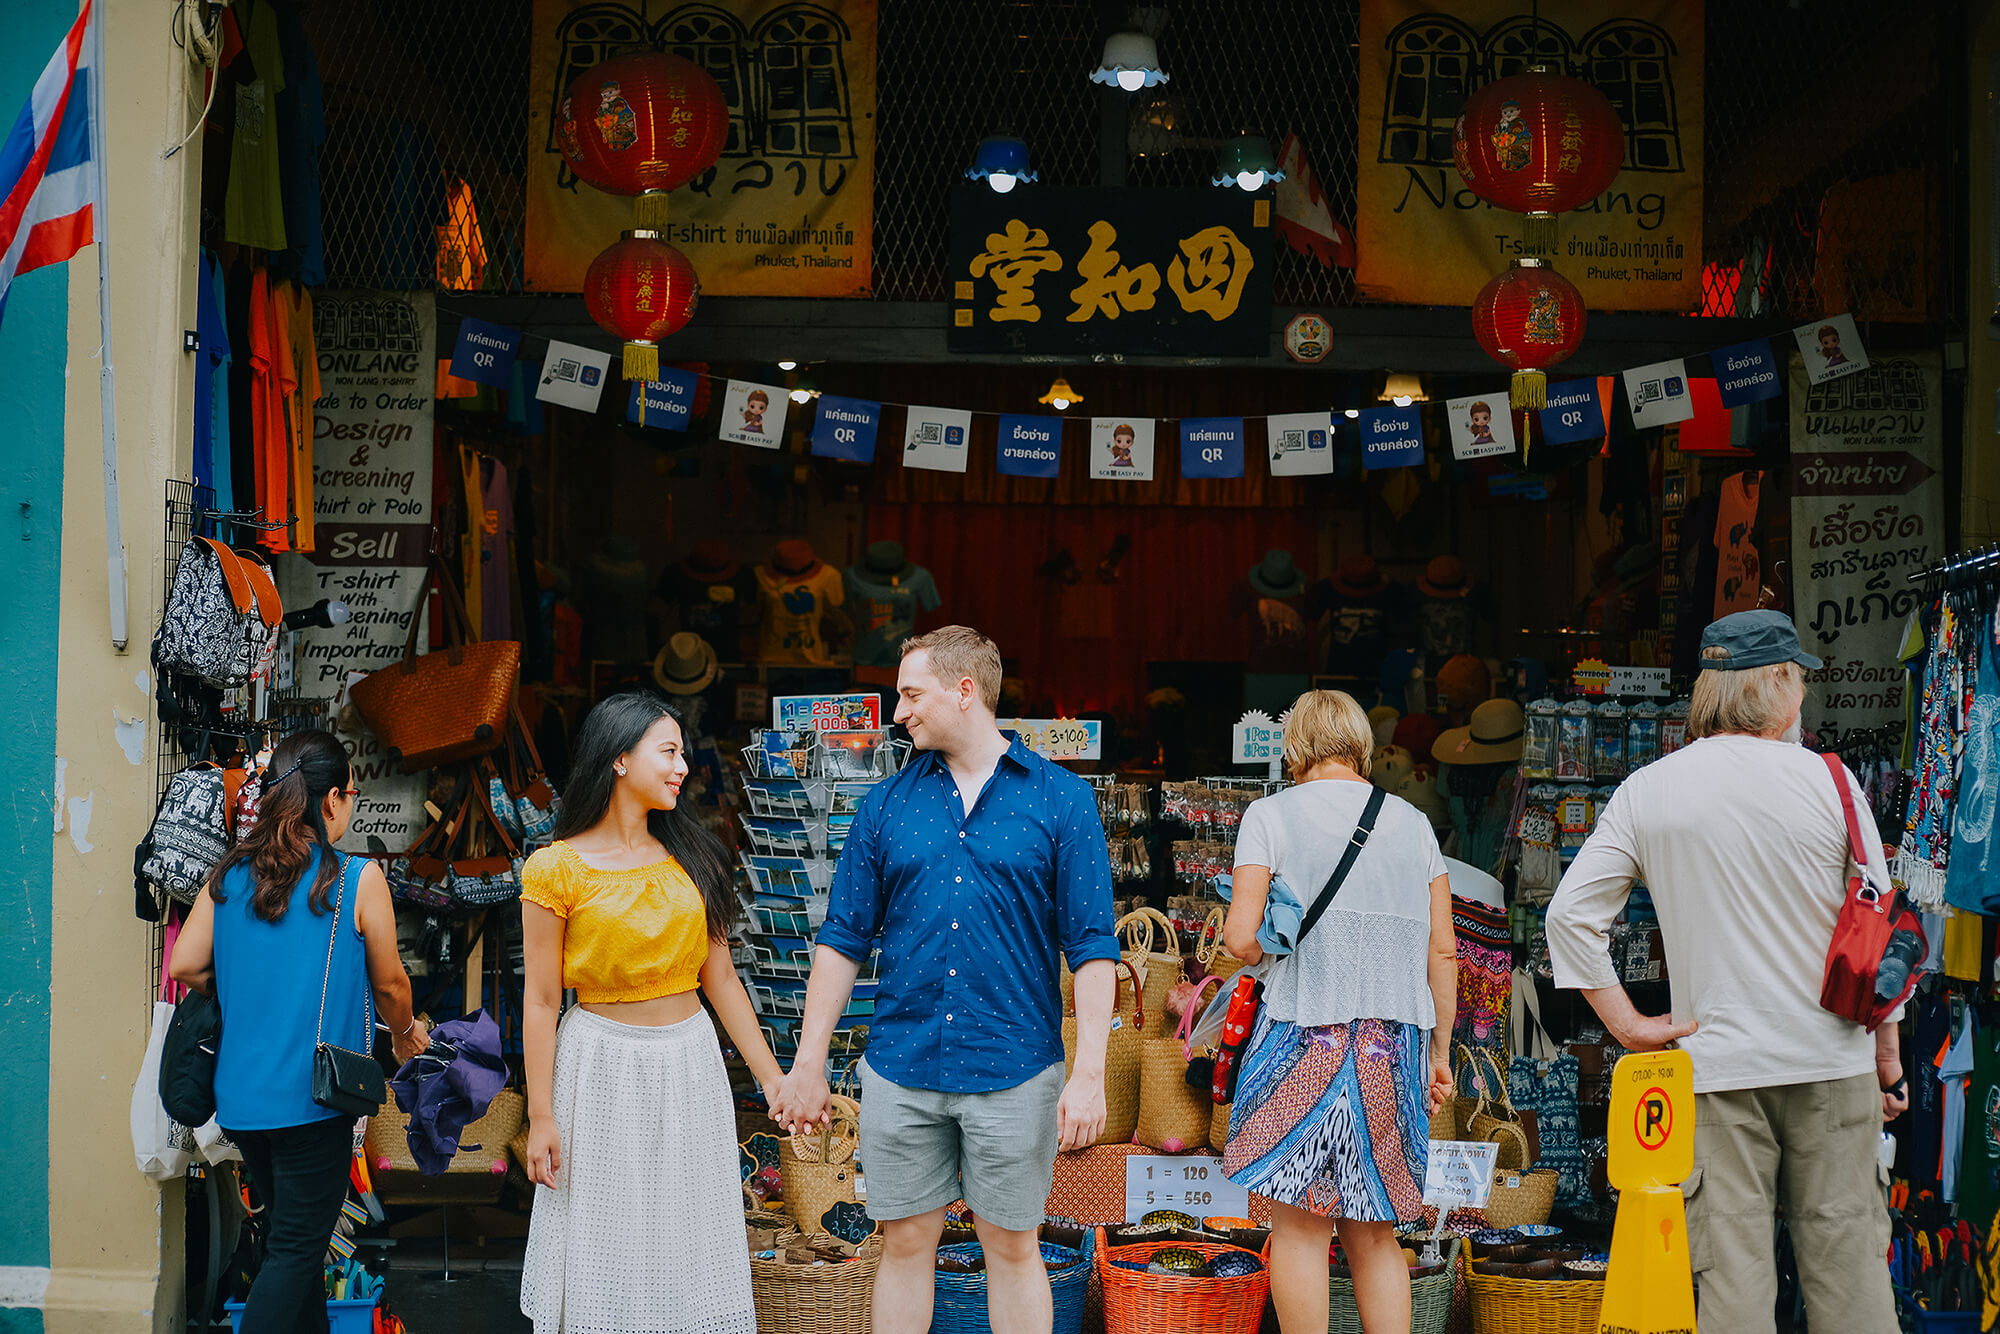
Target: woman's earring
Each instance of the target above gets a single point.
(619, 771)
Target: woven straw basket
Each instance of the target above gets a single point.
(818, 1167)
(815, 1299)
(1526, 1306)
(1157, 956)
(1521, 1197)
(1121, 1059)
(1168, 1108)
(475, 1174)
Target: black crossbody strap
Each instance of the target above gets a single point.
(1362, 830)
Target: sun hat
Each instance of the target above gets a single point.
(1276, 577)
(1359, 577)
(1445, 577)
(1754, 639)
(686, 665)
(795, 557)
(1464, 682)
(886, 559)
(710, 562)
(1492, 737)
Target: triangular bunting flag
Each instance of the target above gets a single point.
(1305, 218)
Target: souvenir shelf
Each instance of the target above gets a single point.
(803, 789)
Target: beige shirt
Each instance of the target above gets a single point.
(1744, 847)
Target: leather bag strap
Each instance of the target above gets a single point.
(1362, 830)
(231, 565)
(1855, 847)
(270, 610)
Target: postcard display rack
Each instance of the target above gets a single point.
(803, 787)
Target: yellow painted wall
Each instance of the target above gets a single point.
(1980, 505)
(108, 1229)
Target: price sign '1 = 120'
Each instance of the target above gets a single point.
(1192, 1185)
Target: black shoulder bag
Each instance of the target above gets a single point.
(1248, 997)
(348, 1082)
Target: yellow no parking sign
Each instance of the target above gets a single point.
(1649, 1289)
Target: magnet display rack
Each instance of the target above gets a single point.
(802, 802)
(191, 513)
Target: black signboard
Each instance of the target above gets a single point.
(1170, 272)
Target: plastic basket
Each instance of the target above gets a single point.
(960, 1305)
(341, 1317)
(1948, 1322)
(1136, 1302)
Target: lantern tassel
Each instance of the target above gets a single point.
(1527, 435)
(649, 211)
(642, 361)
(1538, 234)
(1530, 388)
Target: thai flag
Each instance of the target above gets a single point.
(47, 178)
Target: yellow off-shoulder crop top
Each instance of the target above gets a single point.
(629, 935)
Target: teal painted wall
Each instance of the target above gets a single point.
(34, 346)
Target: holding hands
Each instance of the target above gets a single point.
(799, 1101)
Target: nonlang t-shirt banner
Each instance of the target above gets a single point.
(372, 508)
(1425, 239)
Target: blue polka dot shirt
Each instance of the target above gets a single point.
(971, 910)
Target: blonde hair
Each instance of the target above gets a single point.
(1751, 702)
(1328, 725)
(959, 651)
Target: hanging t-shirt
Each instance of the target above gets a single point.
(1919, 1140)
(790, 609)
(1972, 876)
(1355, 632)
(1446, 625)
(1738, 573)
(294, 304)
(218, 145)
(1973, 1182)
(211, 388)
(885, 611)
(254, 210)
(302, 132)
(717, 610)
(1279, 645)
(274, 381)
(496, 536)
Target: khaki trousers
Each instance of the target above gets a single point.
(1811, 1148)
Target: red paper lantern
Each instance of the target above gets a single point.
(1530, 317)
(641, 289)
(642, 125)
(1538, 143)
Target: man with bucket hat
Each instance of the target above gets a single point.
(1742, 838)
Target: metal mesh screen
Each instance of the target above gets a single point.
(1827, 136)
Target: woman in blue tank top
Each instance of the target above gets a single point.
(297, 942)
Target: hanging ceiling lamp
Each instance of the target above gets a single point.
(1247, 163)
(1538, 143)
(641, 290)
(1400, 389)
(1529, 317)
(1131, 62)
(642, 125)
(1002, 162)
(1060, 395)
(805, 391)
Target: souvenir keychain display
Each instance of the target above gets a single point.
(1538, 745)
(1642, 735)
(1607, 742)
(1573, 729)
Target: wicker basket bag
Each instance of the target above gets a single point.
(1216, 961)
(476, 1173)
(1157, 956)
(1170, 1110)
(1528, 1306)
(1494, 1118)
(815, 1299)
(1521, 1197)
(818, 1167)
(1122, 1051)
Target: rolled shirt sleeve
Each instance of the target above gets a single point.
(1592, 894)
(1083, 885)
(854, 908)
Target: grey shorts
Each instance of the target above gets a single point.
(921, 1149)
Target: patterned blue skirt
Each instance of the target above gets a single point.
(1334, 1120)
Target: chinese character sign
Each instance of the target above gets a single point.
(789, 208)
(1142, 271)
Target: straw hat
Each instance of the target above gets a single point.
(686, 665)
(1492, 737)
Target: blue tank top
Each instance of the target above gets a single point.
(267, 978)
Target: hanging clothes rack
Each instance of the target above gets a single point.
(1964, 570)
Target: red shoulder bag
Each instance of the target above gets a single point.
(1871, 966)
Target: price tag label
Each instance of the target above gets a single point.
(1256, 739)
(1193, 1185)
(1059, 738)
(1638, 681)
(826, 713)
(1460, 1172)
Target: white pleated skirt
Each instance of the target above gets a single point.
(641, 1233)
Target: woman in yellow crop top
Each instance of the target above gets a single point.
(631, 1130)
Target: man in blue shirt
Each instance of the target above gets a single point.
(974, 865)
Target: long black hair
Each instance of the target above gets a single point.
(609, 731)
(291, 822)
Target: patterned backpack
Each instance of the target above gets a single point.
(222, 617)
(190, 833)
